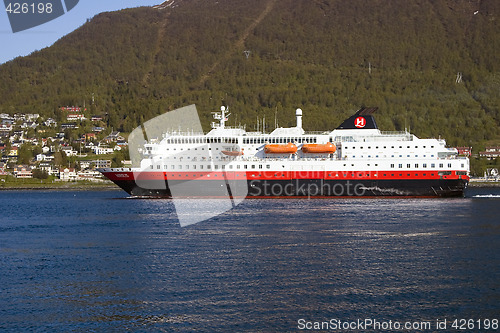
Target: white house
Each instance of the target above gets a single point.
(67, 174)
(102, 150)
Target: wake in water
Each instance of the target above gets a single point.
(486, 196)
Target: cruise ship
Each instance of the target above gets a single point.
(354, 160)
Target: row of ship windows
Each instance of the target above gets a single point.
(216, 167)
(376, 156)
(261, 166)
(202, 140)
(352, 174)
(279, 140)
(392, 147)
(245, 140)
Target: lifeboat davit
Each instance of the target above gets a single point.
(289, 148)
(232, 152)
(312, 148)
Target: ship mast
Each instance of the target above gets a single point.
(221, 117)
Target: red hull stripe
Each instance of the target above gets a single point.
(286, 175)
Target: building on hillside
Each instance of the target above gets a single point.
(100, 150)
(464, 151)
(490, 153)
(69, 151)
(73, 117)
(68, 126)
(114, 137)
(3, 166)
(67, 174)
(13, 151)
(23, 171)
(102, 163)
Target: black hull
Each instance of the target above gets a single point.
(300, 188)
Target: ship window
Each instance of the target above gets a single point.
(360, 147)
(230, 166)
(424, 174)
(152, 167)
(416, 165)
(401, 165)
(260, 166)
(172, 167)
(253, 166)
(201, 167)
(180, 166)
(433, 165)
(238, 166)
(424, 165)
(246, 166)
(408, 166)
(216, 167)
(432, 155)
(268, 166)
(462, 165)
(369, 147)
(400, 147)
(440, 165)
(400, 155)
(158, 167)
(449, 165)
(432, 146)
(408, 147)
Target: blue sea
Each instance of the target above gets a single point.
(99, 261)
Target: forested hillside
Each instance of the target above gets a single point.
(328, 57)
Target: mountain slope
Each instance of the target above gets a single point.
(327, 57)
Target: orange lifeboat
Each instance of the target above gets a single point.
(289, 148)
(312, 148)
(232, 152)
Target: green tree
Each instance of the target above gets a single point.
(24, 154)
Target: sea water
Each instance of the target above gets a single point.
(101, 261)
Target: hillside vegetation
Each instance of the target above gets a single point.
(327, 57)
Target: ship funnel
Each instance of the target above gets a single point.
(298, 115)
